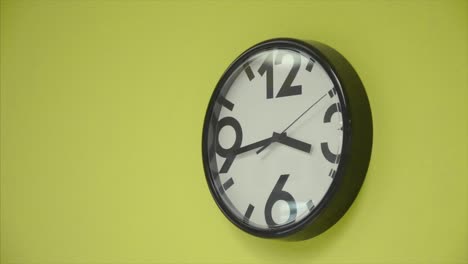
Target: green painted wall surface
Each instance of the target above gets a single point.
(102, 104)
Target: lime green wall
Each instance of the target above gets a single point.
(102, 104)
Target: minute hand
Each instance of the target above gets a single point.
(252, 146)
(295, 120)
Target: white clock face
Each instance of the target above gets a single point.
(277, 138)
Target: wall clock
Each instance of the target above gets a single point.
(287, 139)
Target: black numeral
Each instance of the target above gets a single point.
(286, 88)
(228, 153)
(267, 67)
(331, 157)
(334, 108)
(279, 195)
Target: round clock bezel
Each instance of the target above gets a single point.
(321, 58)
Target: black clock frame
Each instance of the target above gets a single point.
(356, 149)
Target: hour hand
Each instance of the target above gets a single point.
(288, 141)
(292, 142)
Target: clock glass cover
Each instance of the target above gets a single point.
(275, 135)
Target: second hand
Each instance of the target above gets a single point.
(292, 123)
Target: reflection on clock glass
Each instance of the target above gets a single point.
(276, 138)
